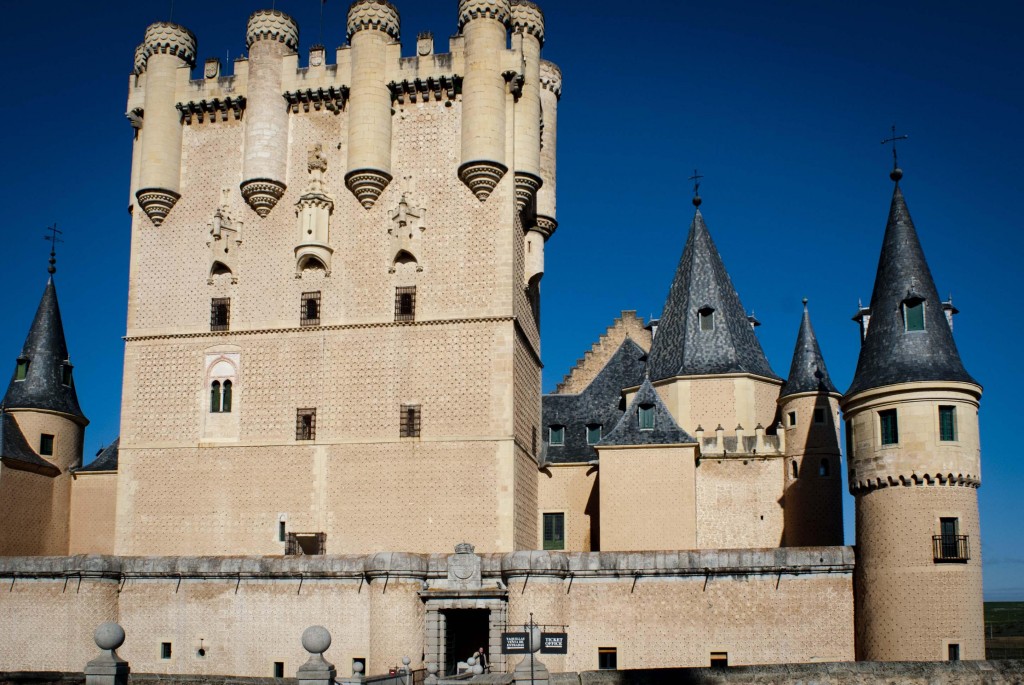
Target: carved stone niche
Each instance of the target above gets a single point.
(407, 233)
(464, 568)
(225, 239)
(314, 211)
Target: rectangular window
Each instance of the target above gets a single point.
(65, 374)
(954, 653)
(913, 313)
(405, 304)
(849, 439)
(607, 658)
(220, 313)
(46, 445)
(646, 417)
(707, 319)
(819, 415)
(308, 544)
(890, 428)
(305, 424)
(310, 314)
(791, 416)
(949, 545)
(409, 421)
(282, 531)
(719, 660)
(165, 650)
(556, 435)
(279, 669)
(593, 434)
(554, 531)
(22, 370)
(947, 423)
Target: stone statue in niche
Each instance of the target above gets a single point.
(313, 211)
(225, 238)
(406, 232)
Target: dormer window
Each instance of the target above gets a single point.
(556, 435)
(65, 374)
(707, 318)
(593, 433)
(645, 417)
(913, 314)
(22, 371)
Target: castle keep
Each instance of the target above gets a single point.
(332, 380)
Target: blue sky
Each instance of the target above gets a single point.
(780, 105)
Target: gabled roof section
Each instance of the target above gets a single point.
(665, 431)
(600, 403)
(681, 347)
(15, 451)
(807, 373)
(890, 354)
(106, 459)
(46, 352)
(626, 325)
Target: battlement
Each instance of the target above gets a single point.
(272, 25)
(374, 15)
(167, 38)
(528, 18)
(551, 77)
(484, 9)
(740, 443)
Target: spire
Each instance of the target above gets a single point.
(42, 377)
(662, 430)
(905, 343)
(704, 328)
(807, 373)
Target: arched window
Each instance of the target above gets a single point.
(823, 468)
(215, 397)
(225, 401)
(707, 318)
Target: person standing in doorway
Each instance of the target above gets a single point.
(481, 658)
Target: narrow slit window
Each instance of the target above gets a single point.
(947, 424)
(310, 314)
(282, 531)
(46, 445)
(890, 427)
(220, 313)
(409, 421)
(645, 417)
(305, 424)
(795, 469)
(22, 371)
(593, 434)
(215, 397)
(66, 377)
(824, 470)
(556, 435)
(913, 315)
(405, 304)
(554, 531)
(225, 401)
(791, 417)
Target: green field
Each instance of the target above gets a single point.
(1004, 630)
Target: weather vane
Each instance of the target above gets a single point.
(896, 173)
(696, 187)
(53, 239)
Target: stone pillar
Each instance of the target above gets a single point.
(528, 21)
(372, 26)
(316, 671)
(270, 36)
(483, 24)
(108, 668)
(166, 49)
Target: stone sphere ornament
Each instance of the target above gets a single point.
(316, 639)
(357, 668)
(109, 635)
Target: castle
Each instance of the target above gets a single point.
(332, 379)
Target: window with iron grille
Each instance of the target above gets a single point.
(947, 423)
(220, 313)
(405, 304)
(305, 424)
(554, 531)
(890, 428)
(310, 314)
(409, 421)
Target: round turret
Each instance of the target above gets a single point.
(272, 25)
(551, 77)
(528, 18)
(140, 59)
(374, 15)
(490, 9)
(166, 38)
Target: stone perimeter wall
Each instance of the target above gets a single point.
(762, 606)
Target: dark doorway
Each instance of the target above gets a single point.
(466, 632)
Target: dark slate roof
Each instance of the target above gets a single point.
(599, 403)
(46, 351)
(16, 452)
(665, 432)
(807, 373)
(680, 348)
(889, 353)
(106, 459)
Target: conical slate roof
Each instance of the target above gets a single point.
(890, 354)
(681, 348)
(665, 432)
(106, 459)
(46, 352)
(807, 373)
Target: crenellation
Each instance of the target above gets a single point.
(167, 38)
(374, 15)
(272, 25)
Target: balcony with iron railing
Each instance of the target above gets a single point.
(951, 548)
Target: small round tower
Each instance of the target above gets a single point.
(528, 23)
(914, 451)
(550, 93)
(270, 36)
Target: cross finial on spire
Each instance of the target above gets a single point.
(696, 187)
(53, 240)
(896, 174)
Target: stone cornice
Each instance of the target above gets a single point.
(374, 15)
(415, 90)
(212, 107)
(333, 99)
(484, 9)
(860, 487)
(272, 25)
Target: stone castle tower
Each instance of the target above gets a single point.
(333, 305)
(914, 458)
(42, 429)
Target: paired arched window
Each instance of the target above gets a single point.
(220, 397)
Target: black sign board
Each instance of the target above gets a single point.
(554, 643)
(514, 643)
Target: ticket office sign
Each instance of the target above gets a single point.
(554, 643)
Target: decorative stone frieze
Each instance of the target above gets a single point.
(551, 77)
(374, 15)
(262, 194)
(333, 99)
(367, 185)
(527, 185)
(487, 9)
(272, 25)
(424, 90)
(528, 18)
(482, 177)
(167, 38)
(157, 203)
(545, 225)
(211, 108)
